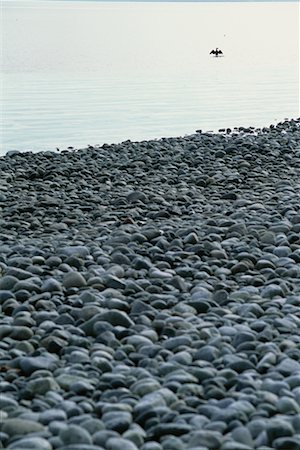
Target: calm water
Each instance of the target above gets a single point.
(78, 73)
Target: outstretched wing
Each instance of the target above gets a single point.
(220, 52)
(213, 52)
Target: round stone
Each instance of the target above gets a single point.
(32, 442)
(19, 427)
(73, 279)
(75, 435)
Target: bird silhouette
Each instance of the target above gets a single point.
(216, 52)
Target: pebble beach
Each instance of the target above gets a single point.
(150, 294)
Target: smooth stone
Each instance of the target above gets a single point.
(29, 286)
(229, 445)
(75, 435)
(296, 423)
(241, 365)
(139, 307)
(293, 381)
(16, 426)
(65, 381)
(18, 273)
(92, 425)
(287, 405)
(54, 344)
(174, 429)
(32, 363)
(271, 291)
(151, 446)
(282, 251)
(74, 261)
(183, 358)
(5, 330)
(51, 415)
(39, 386)
(135, 196)
(113, 282)
(276, 387)
(21, 333)
(242, 435)
(172, 443)
(31, 443)
(277, 428)
(287, 443)
(268, 237)
(81, 387)
(51, 285)
(6, 295)
(56, 426)
(3, 416)
(242, 337)
(4, 438)
(81, 447)
(135, 434)
(115, 303)
(73, 279)
(120, 444)
(117, 420)
(7, 402)
(101, 437)
(120, 258)
(145, 386)
(191, 238)
(116, 317)
(7, 282)
(12, 153)
(288, 366)
(176, 342)
(76, 250)
(207, 353)
(210, 439)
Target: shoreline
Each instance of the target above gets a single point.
(150, 293)
(231, 130)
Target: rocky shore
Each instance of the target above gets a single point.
(150, 294)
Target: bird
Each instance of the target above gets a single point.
(216, 52)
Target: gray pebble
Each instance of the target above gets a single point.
(31, 443)
(39, 386)
(20, 427)
(120, 443)
(75, 435)
(73, 279)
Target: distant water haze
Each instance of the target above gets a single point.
(78, 73)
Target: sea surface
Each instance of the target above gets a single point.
(76, 73)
